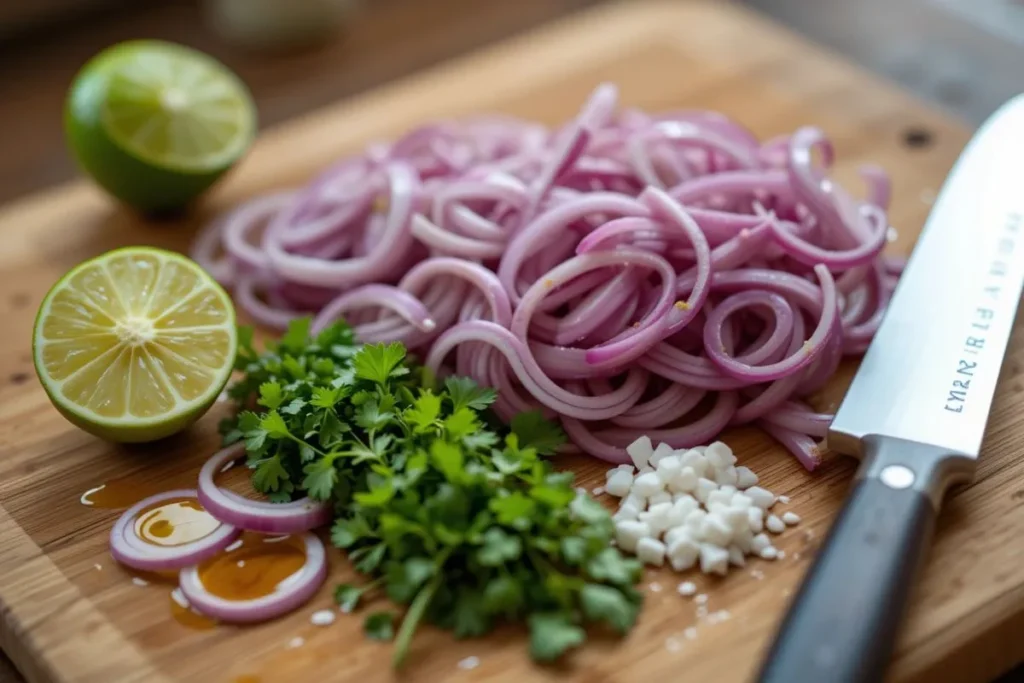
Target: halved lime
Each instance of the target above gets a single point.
(135, 345)
(157, 123)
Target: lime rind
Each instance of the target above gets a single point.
(130, 427)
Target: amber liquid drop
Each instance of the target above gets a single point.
(254, 567)
(189, 618)
(118, 494)
(169, 523)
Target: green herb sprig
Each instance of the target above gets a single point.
(467, 524)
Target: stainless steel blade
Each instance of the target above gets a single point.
(931, 371)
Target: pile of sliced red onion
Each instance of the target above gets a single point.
(235, 514)
(630, 273)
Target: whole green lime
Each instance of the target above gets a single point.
(156, 124)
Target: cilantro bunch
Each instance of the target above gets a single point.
(465, 522)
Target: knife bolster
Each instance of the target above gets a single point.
(901, 464)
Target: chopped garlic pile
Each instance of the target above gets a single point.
(692, 507)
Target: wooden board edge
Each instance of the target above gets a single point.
(70, 618)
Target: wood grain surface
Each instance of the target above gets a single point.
(67, 620)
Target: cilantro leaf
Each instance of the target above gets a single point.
(574, 550)
(448, 459)
(480, 440)
(321, 476)
(331, 430)
(469, 616)
(503, 595)
(296, 336)
(248, 421)
(376, 497)
(337, 333)
(380, 626)
(515, 510)
(588, 510)
(270, 395)
(509, 461)
(608, 604)
(347, 596)
(323, 366)
(270, 475)
(326, 397)
(254, 434)
(461, 423)
(369, 561)
(245, 342)
(405, 578)
(465, 393)
(552, 496)
(294, 407)
(274, 425)
(499, 548)
(346, 532)
(424, 411)
(537, 433)
(611, 566)
(552, 634)
(293, 368)
(370, 417)
(379, 362)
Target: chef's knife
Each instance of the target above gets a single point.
(915, 414)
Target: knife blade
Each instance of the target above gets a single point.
(915, 414)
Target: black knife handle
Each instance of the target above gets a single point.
(843, 622)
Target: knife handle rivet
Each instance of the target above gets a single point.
(897, 476)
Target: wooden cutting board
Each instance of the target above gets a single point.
(71, 614)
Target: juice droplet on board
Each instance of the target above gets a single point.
(182, 613)
(122, 493)
(174, 522)
(253, 567)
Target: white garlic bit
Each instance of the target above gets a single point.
(640, 451)
(650, 551)
(687, 588)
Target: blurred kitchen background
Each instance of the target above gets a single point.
(297, 55)
(964, 55)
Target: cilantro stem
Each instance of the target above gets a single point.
(541, 562)
(300, 442)
(412, 619)
(417, 609)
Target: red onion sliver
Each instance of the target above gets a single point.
(254, 515)
(499, 222)
(147, 557)
(291, 593)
